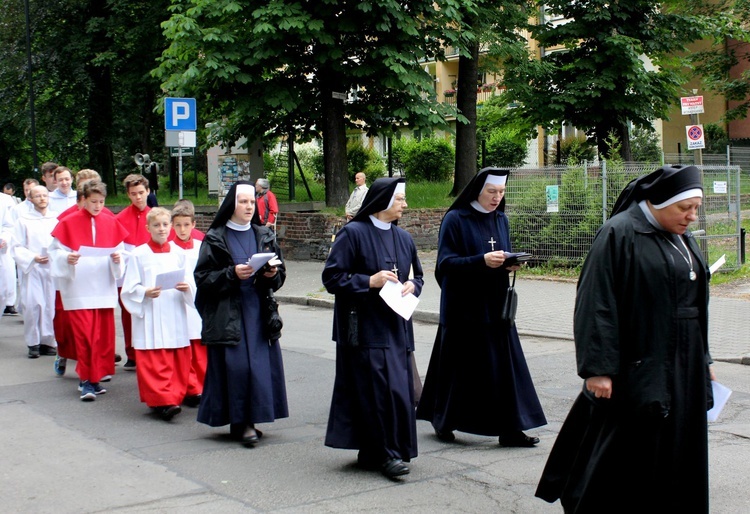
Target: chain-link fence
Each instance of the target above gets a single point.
(556, 211)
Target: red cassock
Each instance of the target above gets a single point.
(66, 347)
(92, 330)
(135, 223)
(199, 354)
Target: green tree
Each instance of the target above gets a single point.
(729, 24)
(489, 25)
(599, 80)
(261, 68)
(645, 145)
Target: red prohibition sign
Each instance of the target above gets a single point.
(695, 133)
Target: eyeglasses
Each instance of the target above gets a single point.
(401, 199)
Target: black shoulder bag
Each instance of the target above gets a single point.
(272, 322)
(510, 305)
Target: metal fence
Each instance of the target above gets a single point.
(555, 211)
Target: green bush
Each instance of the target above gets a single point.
(365, 160)
(504, 149)
(716, 139)
(644, 145)
(573, 151)
(430, 159)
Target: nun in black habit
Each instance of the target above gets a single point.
(244, 382)
(372, 409)
(635, 440)
(478, 381)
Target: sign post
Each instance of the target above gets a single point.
(180, 124)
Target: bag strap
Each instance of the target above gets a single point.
(513, 284)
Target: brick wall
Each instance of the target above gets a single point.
(307, 235)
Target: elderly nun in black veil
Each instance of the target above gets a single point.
(372, 409)
(636, 438)
(244, 382)
(477, 380)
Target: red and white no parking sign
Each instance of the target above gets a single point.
(695, 137)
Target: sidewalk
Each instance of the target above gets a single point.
(545, 307)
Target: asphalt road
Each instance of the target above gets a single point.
(63, 455)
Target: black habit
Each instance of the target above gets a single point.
(372, 408)
(640, 320)
(477, 381)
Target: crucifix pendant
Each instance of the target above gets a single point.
(492, 243)
(395, 270)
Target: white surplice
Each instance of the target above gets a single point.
(60, 202)
(157, 322)
(31, 238)
(7, 265)
(195, 324)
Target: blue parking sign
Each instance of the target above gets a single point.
(180, 114)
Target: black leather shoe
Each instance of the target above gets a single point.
(250, 436)
(34, 352)
(394, 468)
(518, 439)
(47, 350)
(445, 436)
(169, 411)
(192, 400)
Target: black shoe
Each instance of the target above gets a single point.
(129, 365)
(118, 358)
(47, 350)
(10, 310)
(445, 436)
(518, 439)
(250, 436)
(192, 400)
(168, 411)
(34, 352)
(368, 462)
(394, 468)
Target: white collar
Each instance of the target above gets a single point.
(382, 225)
(479, 208)
(239, 228)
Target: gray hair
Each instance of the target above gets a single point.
(263, 183)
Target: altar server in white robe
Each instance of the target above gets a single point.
(159, 318)
(32, 237)
(7, 265)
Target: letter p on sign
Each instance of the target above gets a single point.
(180, 114)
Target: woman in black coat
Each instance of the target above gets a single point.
(636, 438)
(244, 382)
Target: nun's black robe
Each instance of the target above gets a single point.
(477, 381)
(373, 397)
(640, 320)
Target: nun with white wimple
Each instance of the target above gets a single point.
(244, 382)
(478, 381)
(636, 438)
(372, 409)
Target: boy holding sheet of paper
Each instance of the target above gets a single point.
(87, 285)
(159, 318)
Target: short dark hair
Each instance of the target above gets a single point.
(134, 179)
(94, 186)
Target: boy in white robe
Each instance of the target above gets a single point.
(32, 237)
(185, 238)
(7, 266)
(159, 318)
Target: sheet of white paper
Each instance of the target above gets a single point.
(169, 279)
(43, 252)
(718, 264)
(95, 251)
(402, 305)
(721, 395)
(259, 260)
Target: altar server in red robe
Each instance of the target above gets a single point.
(133, 218)
(87, 284)
(159, 317)
(183, 227)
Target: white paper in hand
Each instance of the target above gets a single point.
(721, 395)
(259, 260)
(402, 305)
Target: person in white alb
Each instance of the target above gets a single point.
(32, 237)
(64, 196)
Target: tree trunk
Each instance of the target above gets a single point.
(99, 111)
(334, 149)
(466, 133)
